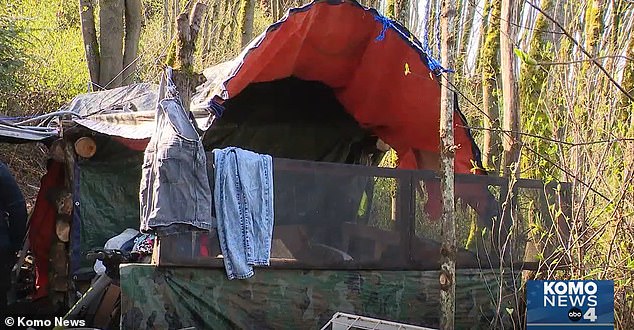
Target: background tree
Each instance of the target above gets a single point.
(110, 63)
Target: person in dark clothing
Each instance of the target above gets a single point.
(12, 228)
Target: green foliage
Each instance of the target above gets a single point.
(55, 48)
(12, 55)
(526, 58)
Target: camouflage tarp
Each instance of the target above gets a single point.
(174, 298)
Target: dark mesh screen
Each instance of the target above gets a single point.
(338, 216)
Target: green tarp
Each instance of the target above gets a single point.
(174, 298)
(109, 199)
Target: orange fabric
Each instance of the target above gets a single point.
(367, 75)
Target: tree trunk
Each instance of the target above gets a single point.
(490, 72)
(209, 31)
(628, 109)
(187, 32)
(448, 247)
(401, 11)
(167, 24)
(111, 42)
(274, 10)
(594, 24)
(510, 122)
(89, 34)
(390, 11)
(245, 21)
(482, 33)
(465, 36)
(133, 14)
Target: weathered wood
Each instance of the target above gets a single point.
(56, 150)
(62, 229)
(447, 154)
(60, 261)
(183, 60)
(64, 203)
(187, 32)
(133, 22)
(89, 34)
(195, 21)
(85, 147)
(111, 42)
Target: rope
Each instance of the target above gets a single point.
(386, 24)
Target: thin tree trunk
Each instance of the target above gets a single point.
(628, 105)
(166, 21)
(245, 21)
(224, 20)
(594, 25)
(448, 247)
(111, 42)
(490, 72)
(208, 31)
(465, 36)
(511, 116)
(401, 11)
(89, 34)
(133, 15)
(274, 9)
(188, 29)
(482, 33)
(390, 11)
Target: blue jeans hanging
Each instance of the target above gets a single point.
(243, 196)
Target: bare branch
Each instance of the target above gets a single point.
(583, 50)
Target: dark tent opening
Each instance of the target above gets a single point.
(292, 118)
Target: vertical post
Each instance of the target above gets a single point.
(447, 149)
(510, 120)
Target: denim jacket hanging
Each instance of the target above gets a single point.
(174, 193)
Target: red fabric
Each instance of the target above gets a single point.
(42, 226)
(137, 145)
(368, 75)
(337, 45)
(204, 246)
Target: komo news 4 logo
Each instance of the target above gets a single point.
(570, 304)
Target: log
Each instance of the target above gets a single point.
(64, 202)
(56, 151)
(62, 229)
(85, 147)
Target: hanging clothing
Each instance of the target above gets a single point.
(243, 196)
(174, 193)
